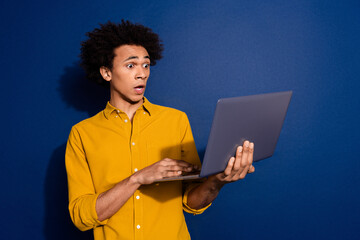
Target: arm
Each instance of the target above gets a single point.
(236, 169)
(82, 195)
(109, 202)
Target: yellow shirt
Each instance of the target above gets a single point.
(107, 148)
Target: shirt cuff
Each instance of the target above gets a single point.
(186, 206)
(94, 213)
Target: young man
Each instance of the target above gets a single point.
(114, 158)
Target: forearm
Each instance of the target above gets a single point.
(204, 194)
(109, 202)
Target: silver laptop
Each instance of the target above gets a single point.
(257, 118)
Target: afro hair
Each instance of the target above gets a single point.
(98, 49)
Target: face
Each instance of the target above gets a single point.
(128, 77)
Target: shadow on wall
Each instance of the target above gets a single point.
(80, 93)
(57, 223)
(84, 96)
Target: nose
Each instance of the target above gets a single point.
(141, 73)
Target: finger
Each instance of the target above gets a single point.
(247, 170)
(188, 167)
(177, 168)
(238, 158)
(251, 153)
(249, 167)
(245, 154)
(165, 173)
(196, 167)
(242, 175)
(244, 163)
(229, 167)
(167, 162)
(173, 173)
(180, 163)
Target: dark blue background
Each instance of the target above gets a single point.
(308, 190)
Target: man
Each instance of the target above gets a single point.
(114, 158)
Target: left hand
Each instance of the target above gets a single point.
(238, 166)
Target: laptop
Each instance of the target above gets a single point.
(257, 118)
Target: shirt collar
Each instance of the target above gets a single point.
(146, 106)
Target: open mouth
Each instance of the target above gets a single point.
(140, 89)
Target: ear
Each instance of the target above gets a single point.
(105, 73)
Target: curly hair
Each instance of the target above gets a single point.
(98, 49)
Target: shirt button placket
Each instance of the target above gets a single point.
(138, 216)
(135, 148)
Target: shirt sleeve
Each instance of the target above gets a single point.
(186, 206)
(189, 154)
(82, 195)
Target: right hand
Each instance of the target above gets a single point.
(163, 169)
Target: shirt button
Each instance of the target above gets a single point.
(137, 197)
(126, 120)
(117, 111)
(144, 112)
(135, 170)
(133, 143)
(116, 116)
(138, 226)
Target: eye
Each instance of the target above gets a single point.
(146, 65)
(130, 65)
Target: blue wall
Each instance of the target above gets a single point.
(308, 190)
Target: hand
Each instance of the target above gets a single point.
(163, 169)
(238, 166)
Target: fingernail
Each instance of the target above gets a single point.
(251, 145)
(179, 172)
(232, 160)
(240, 149)
(246, 143)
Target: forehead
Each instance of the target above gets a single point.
(126, 51)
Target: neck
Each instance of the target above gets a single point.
(127, 107)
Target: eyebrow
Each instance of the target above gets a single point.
(135, 57)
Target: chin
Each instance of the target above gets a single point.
(136, 100)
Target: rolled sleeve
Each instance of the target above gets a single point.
(186, 206)
(82, 195)
(83, 212)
